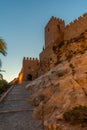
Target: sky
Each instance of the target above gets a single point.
(22, 25)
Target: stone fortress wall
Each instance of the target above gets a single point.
(55, 33)
(75, 28)
(47, 59)
(55, 29)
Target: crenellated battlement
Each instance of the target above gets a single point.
(30, 59)
(76, 21)
(53, 30)
(71, 30)
(55, 19)
(75, 28)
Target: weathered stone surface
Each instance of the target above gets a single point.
(63, 88)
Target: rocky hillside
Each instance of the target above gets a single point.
(62, 88)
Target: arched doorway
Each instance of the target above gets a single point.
(29, 77)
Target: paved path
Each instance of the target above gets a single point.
(16, 112)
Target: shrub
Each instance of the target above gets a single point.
(3, 86)
(77, 115)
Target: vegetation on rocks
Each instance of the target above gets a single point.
(78, 115)
(3, 86)
(3, 83)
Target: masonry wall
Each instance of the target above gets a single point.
(75, 28)
(47, 59)
(54, 31)
(30, 67)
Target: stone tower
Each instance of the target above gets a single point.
(30, 69)
(54, 31)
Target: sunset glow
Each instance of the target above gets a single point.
(20, 78)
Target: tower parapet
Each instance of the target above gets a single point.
(75, 28)
(30, 68)
(54, 30)
(30, 59)
(55, 19)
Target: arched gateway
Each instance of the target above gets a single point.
(29, 77)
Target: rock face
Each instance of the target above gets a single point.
(62, 88)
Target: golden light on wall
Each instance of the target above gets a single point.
(20, 77)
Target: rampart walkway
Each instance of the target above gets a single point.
(16, 112)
